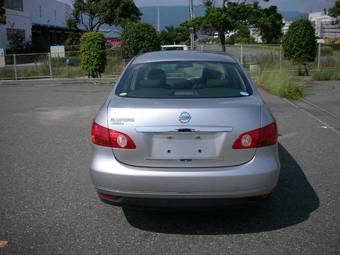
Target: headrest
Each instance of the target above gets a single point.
(209, 73)
(213, 83)
(156, 74)
(182, 84)
(149, 83)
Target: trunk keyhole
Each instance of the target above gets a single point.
(169, 151)
(199, 150)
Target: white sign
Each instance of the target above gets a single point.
(2, 58)
(57, 51)
(321, 41)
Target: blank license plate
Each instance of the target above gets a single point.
(184, 146)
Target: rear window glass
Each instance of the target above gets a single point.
(183, 80)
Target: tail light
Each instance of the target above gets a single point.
(257, 138)
(110, 138)
(109, 197)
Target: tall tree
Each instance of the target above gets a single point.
(92, 14)
(138, 38)
(225, 19)
(335, 10)
(299, 44)
(173, 34)
(2, 12)
(208, 3)
(216, 20)
(269, 23)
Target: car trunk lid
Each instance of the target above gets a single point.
(184, 132)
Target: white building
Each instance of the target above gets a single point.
(286, 26)
(255, 33)
(325, 25)
(45, 18)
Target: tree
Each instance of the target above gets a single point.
(299, 44)
(2, 12)
(139, 38)
(242, 35)
(231, 17)
(92, 14)
(92, 53)
(216, 20)
(335, 10)
(16, 40)
(173, 35)
(72, 41)
(208, 3)
(269, 23)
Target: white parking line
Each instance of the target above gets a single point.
(323, 124)
(321, 109)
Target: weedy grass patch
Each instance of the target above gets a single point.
(279, 82)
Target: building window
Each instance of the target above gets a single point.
(14, 5)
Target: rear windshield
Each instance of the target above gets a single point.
(184, 80)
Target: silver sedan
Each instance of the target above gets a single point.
(184, 126)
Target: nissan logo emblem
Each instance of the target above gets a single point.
(184, 117)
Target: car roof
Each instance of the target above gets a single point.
(180, 55)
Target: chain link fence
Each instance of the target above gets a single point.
(255, 58)
(259, 57)
(43, 65)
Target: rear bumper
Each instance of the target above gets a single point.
(258, 176)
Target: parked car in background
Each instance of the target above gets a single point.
(185, 127)
(174, 47)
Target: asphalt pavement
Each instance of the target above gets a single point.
(48, 204)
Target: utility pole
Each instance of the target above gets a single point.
(319, 55)
(158, 20)
(192, 35)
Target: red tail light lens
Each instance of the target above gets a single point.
(109, 197)
(257, 138)
(110, 138)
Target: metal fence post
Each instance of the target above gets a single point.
(319, 55)
(50, 65)
(15, 66)
(280, 56)
(112, 59)
(241, 58)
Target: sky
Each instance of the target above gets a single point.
(286, 5)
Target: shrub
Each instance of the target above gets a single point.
(139, 38)
(92, 54)
(280, 82)
(16, 40)
(327, 74)
(299, 44)
(326, 51)
(72, 41)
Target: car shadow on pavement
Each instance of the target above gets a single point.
(292, 202)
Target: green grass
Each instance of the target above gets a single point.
(274, 47)
(279, 82)
(59, 70)
(327, 74)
